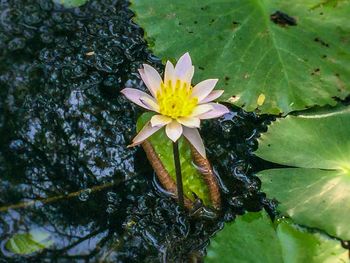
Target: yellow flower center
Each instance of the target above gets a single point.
(175, 100)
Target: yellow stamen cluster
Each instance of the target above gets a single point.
(174, 99)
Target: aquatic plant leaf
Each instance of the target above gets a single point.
(250, 237)
(277, 56)
(29, 242)
(312, 197)
(253, 237)
(299, 245)
(318, 193)
(71, 3)
(193, 180)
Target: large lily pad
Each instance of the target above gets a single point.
(254, 238)
(318, 193)
(275, 61)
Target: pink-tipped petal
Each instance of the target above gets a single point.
(162, 120)
(212, 96)
(135, 96)
(153, 79)
(200, 109)
(191, 122)
(203, 89)
(183, 65)
(173, 130)
(217, 111)
(150, 102)
(169, 73)
(143, 77)
(146, 132)
(193, 136)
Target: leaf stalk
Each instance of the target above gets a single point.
(179, 185)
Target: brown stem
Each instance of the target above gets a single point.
(167, 182)
(55, 198)
(170, 185)
(208, 176)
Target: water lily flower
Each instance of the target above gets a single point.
(180, 106)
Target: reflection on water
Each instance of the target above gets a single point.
(64, 165)
(79, 229)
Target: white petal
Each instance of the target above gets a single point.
(193, 136)
(212, 96)
(150, 102)
(146, 132)
(191, 122)
(183, 65)
(160, 120)
(203, 89)
(143, 77)
(135, 96)
(153, 79)
(217, 111)
(169, 73)
(200, 109)
(189, 75)
(173, 130)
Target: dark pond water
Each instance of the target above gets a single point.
(64, 127)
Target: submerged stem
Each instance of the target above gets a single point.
(177, 163)
(55, 198)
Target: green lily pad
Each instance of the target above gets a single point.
(29, 242)
(253, 238)
(71, 3)
(316, 194)
(277, 62)
(193, 181)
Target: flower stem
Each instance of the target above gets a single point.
(180, 192)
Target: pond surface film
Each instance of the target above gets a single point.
(64, 126)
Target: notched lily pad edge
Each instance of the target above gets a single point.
(316, 114)
(310, 113)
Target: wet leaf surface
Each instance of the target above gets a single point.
(254, 237)
(316, 193)
(294, 52)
